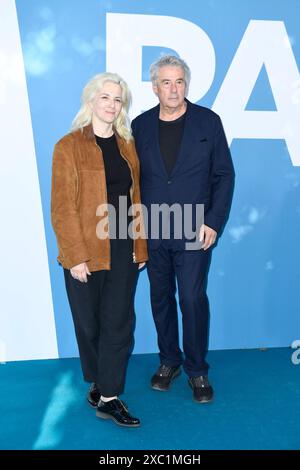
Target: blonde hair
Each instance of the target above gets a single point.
(84, 116)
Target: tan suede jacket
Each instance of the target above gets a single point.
(78, 188)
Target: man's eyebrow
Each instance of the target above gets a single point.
(168, 79)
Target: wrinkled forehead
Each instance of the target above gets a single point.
(170, 72)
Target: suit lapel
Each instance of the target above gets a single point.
(153, 142)
(192, 134)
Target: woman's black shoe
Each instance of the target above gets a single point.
(94, 395)
(116, 410)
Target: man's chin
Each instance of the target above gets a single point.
(173, 103)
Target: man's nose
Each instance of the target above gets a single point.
(174, 87)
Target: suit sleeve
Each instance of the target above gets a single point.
(222, 181)
(64, 213)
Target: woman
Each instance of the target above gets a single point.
(94, 165)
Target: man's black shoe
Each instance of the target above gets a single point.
(162, 379)
(202, 390)
(94, 395)
(117, 411)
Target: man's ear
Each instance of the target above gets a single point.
(154, 88)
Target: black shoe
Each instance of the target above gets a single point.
(162, 379)
(203, 391)
(116, 410)
(94, 395)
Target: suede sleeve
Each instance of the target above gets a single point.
(64, 212)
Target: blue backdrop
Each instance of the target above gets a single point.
(254, 279)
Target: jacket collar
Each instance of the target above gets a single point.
(156, 109)
(88, 133)
(191, 135)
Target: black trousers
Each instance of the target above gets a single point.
(190, 269)
(103, 316)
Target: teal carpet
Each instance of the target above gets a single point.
(257, 406)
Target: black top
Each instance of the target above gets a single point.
(118, 183)
(117, 172)
(170, 135)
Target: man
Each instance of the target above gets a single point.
(184, 159)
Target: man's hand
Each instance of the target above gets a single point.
(208, 236)
(80, 272)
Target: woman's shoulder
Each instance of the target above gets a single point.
(66, 140)
(71, 141)
(69, 138)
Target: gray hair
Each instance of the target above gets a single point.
(170, 60)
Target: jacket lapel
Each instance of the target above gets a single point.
(192, 134)
(153, 142)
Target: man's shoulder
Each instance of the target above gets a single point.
(202, 111)
(146, 115)
(197, 111)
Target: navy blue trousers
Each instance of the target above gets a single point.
(190, 269)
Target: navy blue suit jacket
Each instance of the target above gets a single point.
(203, 173)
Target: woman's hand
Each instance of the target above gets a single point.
(141, 265)
(80, 272)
